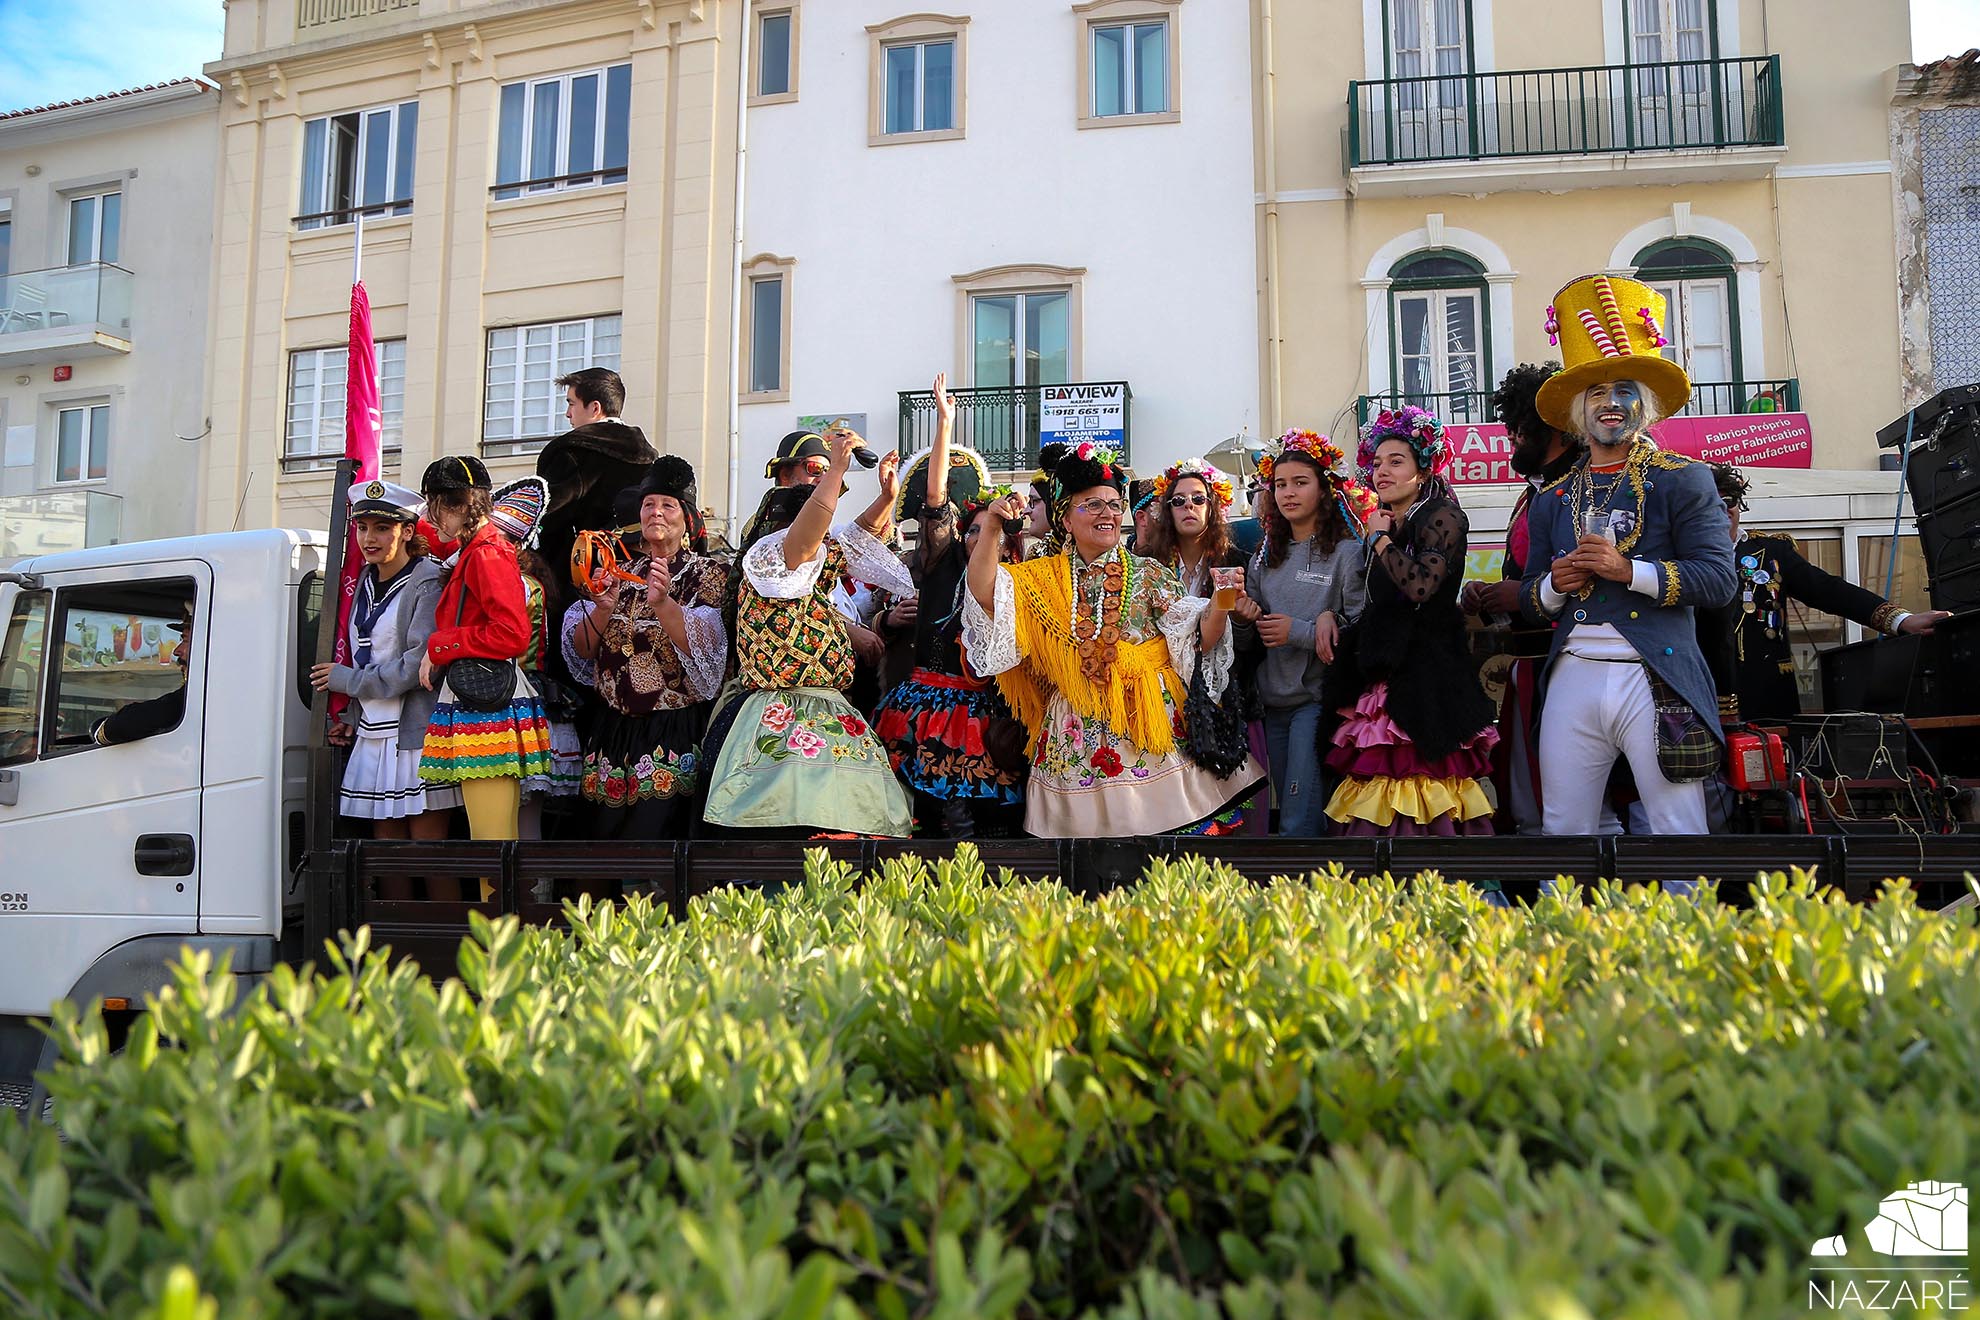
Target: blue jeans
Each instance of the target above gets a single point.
(1292, 747)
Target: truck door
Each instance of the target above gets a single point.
(102, 843)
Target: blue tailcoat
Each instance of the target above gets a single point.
(1685, 534)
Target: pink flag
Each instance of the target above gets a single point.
(362, 425)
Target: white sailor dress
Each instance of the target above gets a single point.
(382, 781)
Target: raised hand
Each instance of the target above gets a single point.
(945, 402)
(889, 474)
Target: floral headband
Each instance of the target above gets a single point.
(1325, 454)
(1419, 429)
(1098, 460)
(1214, 481)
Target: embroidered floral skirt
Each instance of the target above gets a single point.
(510, 743)
(932, 726)
(1389, 787)
(643, 758)
(801, 757)
(1089, 782)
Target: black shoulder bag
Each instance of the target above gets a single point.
(480, 684)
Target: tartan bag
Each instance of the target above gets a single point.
(1687, 749)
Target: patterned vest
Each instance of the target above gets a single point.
(795, 643)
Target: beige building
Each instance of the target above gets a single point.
(544, 185)
(106, 207)
(1431, 171)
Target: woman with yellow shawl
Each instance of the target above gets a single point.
(1094, 648)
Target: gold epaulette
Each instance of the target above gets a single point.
(1560, 480)
(1793, 544)
(1668, 461)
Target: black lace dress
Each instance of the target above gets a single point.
(1409, 727)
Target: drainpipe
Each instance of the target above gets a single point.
(1273, 391)
(736, 275)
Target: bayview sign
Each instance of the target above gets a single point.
(1482, 453)
(1083, 412)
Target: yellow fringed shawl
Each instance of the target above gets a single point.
(1131, 703)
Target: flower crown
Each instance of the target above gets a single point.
(1327, 455)
(1105, 460)
(1414, 426)
(1214, 480)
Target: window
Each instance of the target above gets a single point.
(1438, 330)
(82, 443)
(20, 677)
(767, 327)
(358, 163)
(1018, 327)
(1128, 71)
(1428, 47)
(563, 132)
(120, 644)
(523, 406)
(309, 617)
(1669, 103)
(94, 225)
(1701, 297)
(6, 243)
(315, 435)
(774, 79)
(917, 67)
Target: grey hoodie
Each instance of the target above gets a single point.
(1307, 583)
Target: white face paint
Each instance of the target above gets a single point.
(1615, 413)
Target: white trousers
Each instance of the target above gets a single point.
(1594, 712)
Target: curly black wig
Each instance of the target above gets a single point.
(1512, 402)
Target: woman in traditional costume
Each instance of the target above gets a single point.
(654, 643)
(934, 723)
(1416, 729)
(483, 615)
(1089, 646)
(787, 751)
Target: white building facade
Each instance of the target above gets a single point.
(106, 225)
(1023, 194)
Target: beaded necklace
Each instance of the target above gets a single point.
(1099, 631)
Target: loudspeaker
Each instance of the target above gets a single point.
(1958, 592)
(1947, 470)
(1950, 538)
(1925, 417)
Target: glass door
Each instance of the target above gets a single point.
(1428, 40)
(1018, 341)
(1439, 349)
(1671, 106)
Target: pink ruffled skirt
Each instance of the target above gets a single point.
(1389, 787)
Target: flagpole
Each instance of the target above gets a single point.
(357, 251)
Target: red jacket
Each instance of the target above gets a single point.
(494, 625)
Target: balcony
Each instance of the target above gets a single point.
(1000, 422)
(63, 313)
(314, 16)
(1708, 399)
(1595, 126)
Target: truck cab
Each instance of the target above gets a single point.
(114, 858)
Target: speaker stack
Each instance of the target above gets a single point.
(1942, 472)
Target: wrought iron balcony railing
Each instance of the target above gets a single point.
(1000, 422)
(1681, 105)
(1708, 399)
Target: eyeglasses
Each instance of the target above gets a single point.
(1185, 501)
(1100, 508)
(815, 465)
(1735, 504)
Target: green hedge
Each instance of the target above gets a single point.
(936, 1095)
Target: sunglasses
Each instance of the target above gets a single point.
(1100, 508)
(1187, 501)
(1735, 504)
(815, 466)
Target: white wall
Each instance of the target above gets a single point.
(1159, 215)
(161, 153)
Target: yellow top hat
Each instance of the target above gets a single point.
(1609, 328)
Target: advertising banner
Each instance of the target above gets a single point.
(1482, 454)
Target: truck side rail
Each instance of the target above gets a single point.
(532, 878)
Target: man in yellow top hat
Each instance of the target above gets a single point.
(1622, 548)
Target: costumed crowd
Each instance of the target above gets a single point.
(1093, 656)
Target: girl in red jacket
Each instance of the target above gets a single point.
(484, 614)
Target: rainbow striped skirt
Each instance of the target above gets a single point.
(513, 742)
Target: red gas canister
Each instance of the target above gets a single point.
(1756, 759)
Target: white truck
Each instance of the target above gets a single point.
(114, 858)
